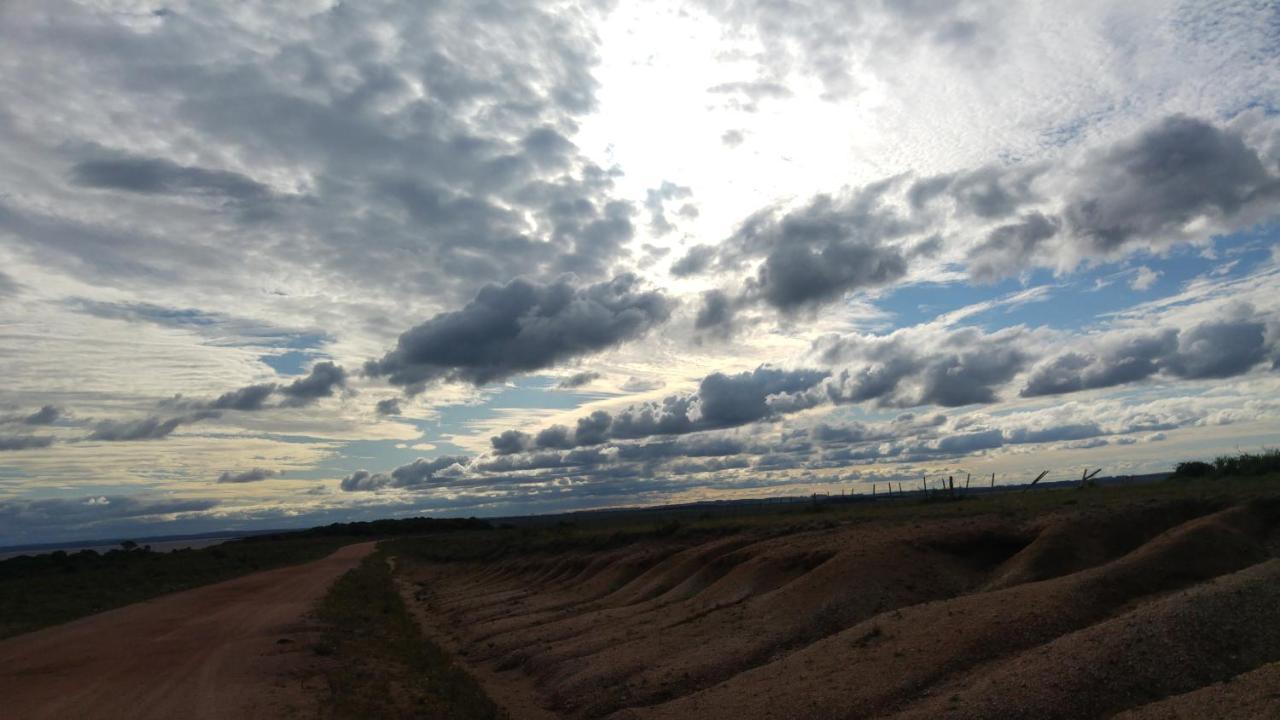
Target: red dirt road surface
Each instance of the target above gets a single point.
(217, 651)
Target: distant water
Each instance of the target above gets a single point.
(157, 546)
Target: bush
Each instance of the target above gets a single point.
(1193, 469)
(1268, 461)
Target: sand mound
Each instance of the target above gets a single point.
(972, 617)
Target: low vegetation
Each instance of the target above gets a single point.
(1239, 465)
(380, 664)
(41, 590)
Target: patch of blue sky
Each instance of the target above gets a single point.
(526, 393)
(292, 362)
(1075, 300)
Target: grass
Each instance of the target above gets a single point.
(617, 529)
(41, 590)
(380, 663)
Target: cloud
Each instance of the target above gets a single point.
(321, 382)
(1144, 279)
(521, 327)
(819, 252)
(46, 415)
(247, 476)
(158, 176)
(656, 200)
(732, 138)
(1012, 247)
(389, 406)
(149, 428)
(247, 398)
(577, 380)
(1154, 187)
(695, 261)
(21, 515)
(418, 474)
(8, 286)
(1210, 349)
(721, 401)
(906, 368)
(24, 442)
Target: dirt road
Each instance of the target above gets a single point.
(220, 651)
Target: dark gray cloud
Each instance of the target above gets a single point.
(521, 327)
(389, 406)
(721, 401)
(446, 155)
(716, 313)
(158, 176)
(577, 380)
(247, 476)
(420, 473)
(1213, 349)
(24, 442)
(695, 261)
(322, 381)
(963, 367)
(21, 515)
(148, 428)
(1150, 188)
(990, 192)
(247, 398)
(324, 378)
(817, 253)
(1013, 247)
(46, 415)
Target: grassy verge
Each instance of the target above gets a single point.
(381, 665)
(42, 590)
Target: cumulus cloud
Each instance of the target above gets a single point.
(1210, 349)
(24, 442)
(1144, 278)
(148, 428)
(46, 415)
(656, 201)
(247, 476)
(695, 261)
(521, 327)
(819, 252)
(721, 401)
(388, 406)
(321, 382)
(577, 380)
(420, 473)
(1154, 187)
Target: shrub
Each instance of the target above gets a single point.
(1193, 469)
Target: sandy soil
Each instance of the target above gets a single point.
(227, 650)
(1076, 615)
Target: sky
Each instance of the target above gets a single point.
(268, 265)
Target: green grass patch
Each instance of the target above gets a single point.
(381, 664)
